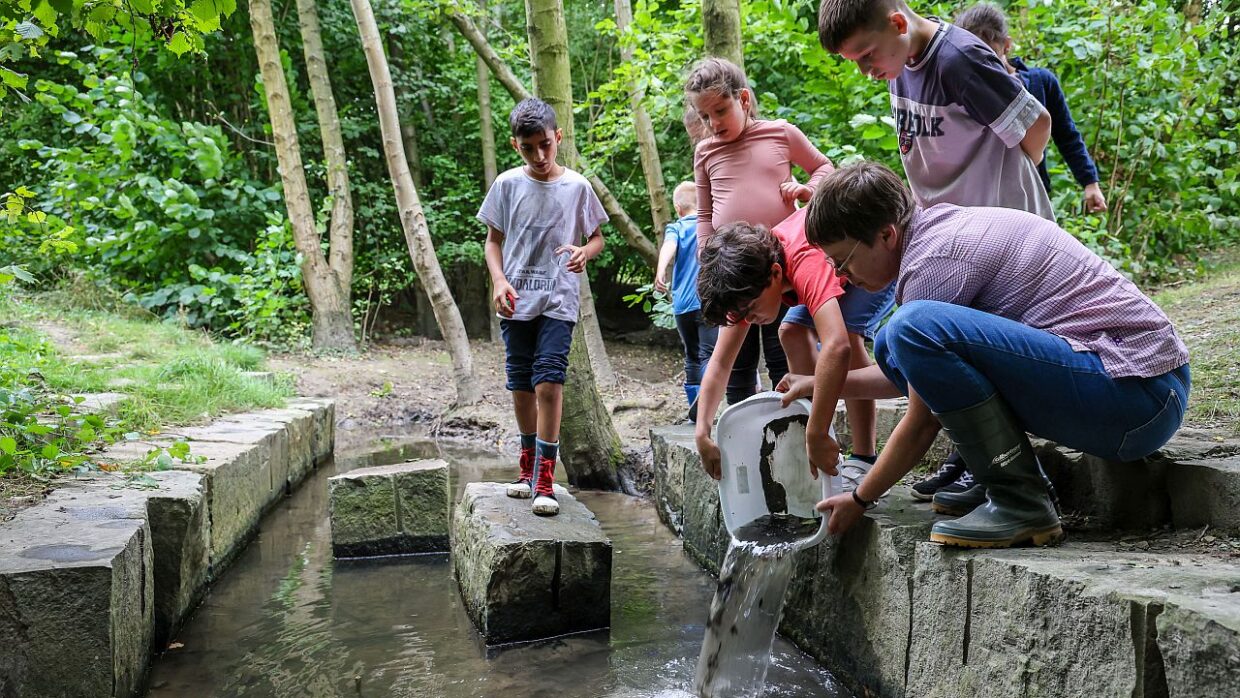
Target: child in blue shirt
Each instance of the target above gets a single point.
(679, 251)
(988, 23)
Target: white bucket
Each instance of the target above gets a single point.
(758, 437)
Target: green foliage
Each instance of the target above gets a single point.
(657, 305)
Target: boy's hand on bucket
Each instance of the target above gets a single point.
(711, 458)
(842, 510)
(794, 386)
(823, 453)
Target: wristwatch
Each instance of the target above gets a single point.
(862, 503)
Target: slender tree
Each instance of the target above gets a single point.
(721, 29)
(327, 283)
(412, 218)
(647, 148)
(591, 447)
(621, 220)
(486, 132)
(408, 129)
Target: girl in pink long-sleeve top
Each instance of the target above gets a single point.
(743, 172)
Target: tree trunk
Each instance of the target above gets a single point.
(332, 324)
(660, 212)
(340, 255)
(721, 29)
(591, 447)
(408, 130)
(604, 374)
(412, 219)
(553, 81)
(621, 220)
(486, 130)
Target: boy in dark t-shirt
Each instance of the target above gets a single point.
(969, 133)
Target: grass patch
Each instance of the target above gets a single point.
(1206, 314)
(172, 375)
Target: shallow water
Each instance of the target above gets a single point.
(286, 620)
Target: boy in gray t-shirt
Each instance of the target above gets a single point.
(960, 116)
(536, 216)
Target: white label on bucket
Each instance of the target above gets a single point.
(742, 479)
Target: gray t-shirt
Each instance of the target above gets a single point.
(536, 218)
(960, 118)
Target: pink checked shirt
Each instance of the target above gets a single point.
(1018, 266)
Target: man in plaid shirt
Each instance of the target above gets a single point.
(1007, 324)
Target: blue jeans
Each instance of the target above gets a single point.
(698, 340)
(956, 357)
(863, 311)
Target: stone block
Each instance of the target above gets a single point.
(674, 450)
(238, 486)
(1049, 621)
(525, 577)
(1205, 491)
(850, 600)
(75, 601)
(706, 537)
(390, 510)
(323, 426)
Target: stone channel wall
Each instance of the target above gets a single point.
(893, 615)
(101, 574)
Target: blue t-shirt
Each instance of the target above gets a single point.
(685, 269)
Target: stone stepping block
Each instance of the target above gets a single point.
(390, 509)
(80, 578)
(525, 577)
(1080, 615)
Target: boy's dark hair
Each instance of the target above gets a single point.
(985, 21)
(735, 269)
(840, 19)
(856, 202)
(531, 117)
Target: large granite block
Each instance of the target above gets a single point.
(674, 450)
(850, 599)
(525, 577)
(391, 509)
(1049, 621)
(75, 601)
(706, 536)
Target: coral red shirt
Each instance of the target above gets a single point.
(811, 274)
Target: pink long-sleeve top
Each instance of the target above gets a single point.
(739, 180)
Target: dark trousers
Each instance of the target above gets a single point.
(743, 382)
(698, 340)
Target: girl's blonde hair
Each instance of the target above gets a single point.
(721, 76)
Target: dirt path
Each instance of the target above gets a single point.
(410, 383)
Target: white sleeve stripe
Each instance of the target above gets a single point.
(1012, 124)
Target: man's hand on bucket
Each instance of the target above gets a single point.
(711, 459)
(843, 511)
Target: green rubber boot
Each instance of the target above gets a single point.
(1017, 508)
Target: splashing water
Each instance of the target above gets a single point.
(747, 606)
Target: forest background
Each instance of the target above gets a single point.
(142, 165)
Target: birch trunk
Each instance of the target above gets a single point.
(721, 30)
(486, 132)
(619, 218)
(332, 324)
(412, 219)
(590, 446)
(647, 148)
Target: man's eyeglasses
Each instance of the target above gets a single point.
(842, 267)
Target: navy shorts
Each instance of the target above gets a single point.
(863, 311)
(537, 351)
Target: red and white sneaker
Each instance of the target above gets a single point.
(544, 488)
(520, 488)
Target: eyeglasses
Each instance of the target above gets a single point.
(842, 267)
